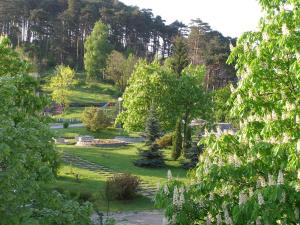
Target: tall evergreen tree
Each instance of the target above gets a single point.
(152, 127)
(97, 48)
(180, 56)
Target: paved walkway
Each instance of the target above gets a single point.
(60, 125)
(136, 218)
(146, 189)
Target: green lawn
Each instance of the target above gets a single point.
(121, 160)
(93, 92)
(71, 133)
(90, 187)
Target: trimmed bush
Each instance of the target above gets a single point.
(124, 186)
(66, 125)
(95, 119)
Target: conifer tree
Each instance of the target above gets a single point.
(177, 141)
(151, 157)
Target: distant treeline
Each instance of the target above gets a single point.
(53, 32)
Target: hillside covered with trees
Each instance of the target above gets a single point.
(52, 32)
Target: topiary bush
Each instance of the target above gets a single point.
(123, 187)
(95, 119)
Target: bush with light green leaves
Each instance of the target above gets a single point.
(253, 176)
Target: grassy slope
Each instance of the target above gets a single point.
(118, 159)
(92, 184)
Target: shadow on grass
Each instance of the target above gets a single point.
(121, 160)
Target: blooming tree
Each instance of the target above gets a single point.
(253, 177)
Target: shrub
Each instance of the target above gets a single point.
(95, 119)
(66, 125)
(123, 186)
(165, 141)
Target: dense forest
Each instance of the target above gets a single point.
(52, 32)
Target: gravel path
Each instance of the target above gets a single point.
(137, 218)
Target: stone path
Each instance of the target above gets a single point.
(146, 189)
(136, 218)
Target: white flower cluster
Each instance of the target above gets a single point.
(169, 175)
(271, 180)
(298, 56)
(261, 200)
(166, 189)
(280, 179)
(234, 159)
(219, 219)
(208, 219)
(283, 197)
(285, 30)
(227, 217)
(265, 36)
(298, 146)
(178, 196)
(242, 198)
(285, 138)
(297, 119)
(258, 222)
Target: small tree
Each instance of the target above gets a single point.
(95, 119)
(152, 157)
(60, 83)
(152, 127)
(177, 141)
(97, 48)
(119, 68)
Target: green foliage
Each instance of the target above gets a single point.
(10, 63)
(180, 57)
(253, 177)
(152, 127)
(60, 84)
(97, 48)
(149, 84)
(221, 107)
(95, 119)
(66, 125)
(119, 68)
(165, 141)
(28, 157)
(177, 143)
(124, 186)
(150, 158)
(171, 96)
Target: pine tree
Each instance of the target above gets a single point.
(151, 157)
(152, 127)
(180, 57)
(177, 143)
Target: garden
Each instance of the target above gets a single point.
(193, 128)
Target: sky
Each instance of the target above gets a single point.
(230, 17)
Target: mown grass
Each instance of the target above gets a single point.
(71, 133)
(93, 92)
(90, 187)
(121, 160)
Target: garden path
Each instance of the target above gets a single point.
(146, 189)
